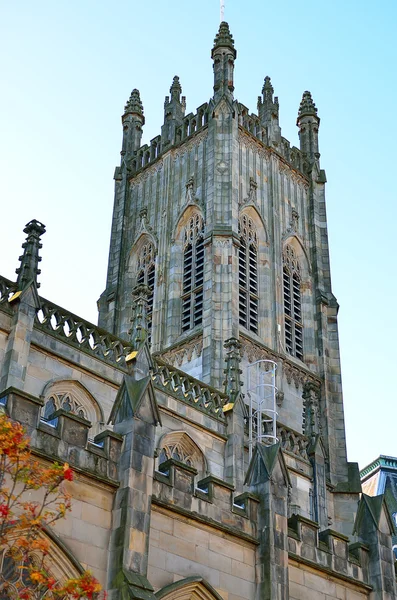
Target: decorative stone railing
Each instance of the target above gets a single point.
(189, 390)
(81, 334)
(97, 342)
(292, 441)
(7, 289)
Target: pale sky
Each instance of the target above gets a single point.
(68, 68)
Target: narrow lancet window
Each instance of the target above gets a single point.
(145, 275)
(248, 274)
(193, 273)
(293, 327)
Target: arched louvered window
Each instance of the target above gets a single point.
(293, 327)
(248, 274)
(146, 271)
(193, 273)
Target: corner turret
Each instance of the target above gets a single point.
(133, 121)
(308, 123)
(30, 259)
(268, 110)
(223, 54)
(174, 111)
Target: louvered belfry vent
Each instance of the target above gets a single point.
(293, 327)
(146, 274)
(193, 273)
(248, 274)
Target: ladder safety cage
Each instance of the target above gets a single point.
(261, 393)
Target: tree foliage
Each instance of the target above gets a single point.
(32, 498)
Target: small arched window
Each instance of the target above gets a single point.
(179, 446)
(193, 273)
(293, 327)
(248, 274)
(72, 397)
(145, 275)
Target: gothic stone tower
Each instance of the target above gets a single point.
(218, 259)
(226, 224)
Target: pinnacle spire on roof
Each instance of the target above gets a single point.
(224, 38)
(30, 258)
(232, 372)
(268, 89)
(134, 104)
(307, 106)
(176, 89)
(139, 328)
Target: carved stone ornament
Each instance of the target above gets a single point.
(252, 194)
(188, 146)
(144, 175)
(145, 228)
(180, 355)
(247, 141)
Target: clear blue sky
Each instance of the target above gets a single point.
(67, 70)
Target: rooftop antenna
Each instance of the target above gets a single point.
(222, 11)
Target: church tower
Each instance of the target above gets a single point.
(225, 223)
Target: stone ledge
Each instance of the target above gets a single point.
(330, 572)
(200, 518)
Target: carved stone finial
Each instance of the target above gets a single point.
(224, 39)
(307, 106)
(232, 372)
(311, 397)
(252, 194)
(139, 329)
(176, 89)
(30, 258)
(134, 105)
(268, 91)
(189, 190)
(268, 111)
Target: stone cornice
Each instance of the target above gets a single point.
(255, 350)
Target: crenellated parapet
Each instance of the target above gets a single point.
(328, 551)
(65, 438)
(211, 501)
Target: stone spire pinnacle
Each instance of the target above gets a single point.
(224, 39)
(30, 258)
(267, 89)
(176, 89)
(174, 112)
(139, 329)
(308, 123)
(223, 54)
(307, 106)
(232, 372)
(268, 110)
(133, 120)
(134, 105)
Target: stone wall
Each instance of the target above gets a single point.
(180, 548)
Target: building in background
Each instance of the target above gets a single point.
(204, 415)
(380, 478)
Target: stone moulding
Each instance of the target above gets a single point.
(185, 147)
(178, 354)
(253, 351)
(293, 164)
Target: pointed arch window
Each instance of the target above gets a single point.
(193, 273)
(248, 274)
(293, 326)
(145, 275)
